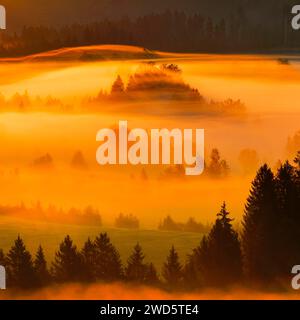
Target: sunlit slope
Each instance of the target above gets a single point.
(91, 53)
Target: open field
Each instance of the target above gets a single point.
(156, 244)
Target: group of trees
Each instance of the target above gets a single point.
(154, 82)
(268, 245)
(168, 31)
(168, 224)
(87, 216)
(98, 260)
(46, 161)
(151, 82)
(21, 102)
(271, 225)
(263, 252)
(127, 221)
(216, 167)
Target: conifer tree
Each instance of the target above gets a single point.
(288, 237)
(88, 253)
(217, 168)
(172, 270)
(136, 268)
(118, 86)
(217, 261)
(67, 265)
(194, 269)
(260, 228)
(20, 266)
(108, 262)
(40, 267)
(151, 276)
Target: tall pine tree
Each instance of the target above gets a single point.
(88, 253)
(20, 266)
(172, 270)
(151, 276)
(108, 265)
(136, 268)
(217, 261)
(67, 265)
(261, 223)
(288, 245)
(40, 267)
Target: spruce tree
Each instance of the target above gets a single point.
(260, 228)
(288, 244)
(151, 276)
(172, 270)
(40, 267)
(88, 253)
(217, 261)
(108, 262)
(136, 268)
(20, 266)
(286, 188)
(231, 248)
(67, 265)
(194, 269)
(118, 86)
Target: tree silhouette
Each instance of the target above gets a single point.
(270, 246)
(78, 161)
(172, 270)
(218, 260)
(260, 228)
(127, 221)
(40, 267)
(118, 86)
(217, 168)
(151, 276)
(108, 262)
(88, 253)
(67, 265)
(20, 266)
(289, 218)
(136, 269)
(194, 269)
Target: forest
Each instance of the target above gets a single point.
(175, 31)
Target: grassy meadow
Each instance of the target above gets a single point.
(156, 244)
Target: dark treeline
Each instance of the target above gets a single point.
(127, 221)
(263, 253)
(88, 216)
(167, 31)
(191, 225)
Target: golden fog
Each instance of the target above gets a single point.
(268, 89)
